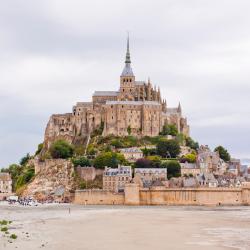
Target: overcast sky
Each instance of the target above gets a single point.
(55, 53)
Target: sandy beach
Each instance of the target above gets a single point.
(133, 228)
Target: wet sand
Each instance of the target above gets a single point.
(130, 228)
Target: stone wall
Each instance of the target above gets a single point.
(88, 173)
(98, 197)
(134, 195)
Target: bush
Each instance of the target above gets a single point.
(39, 148)
(81, 161)
(191, 143)
(190, 158)
(173, 168)
(168, 148)
(155, 161)
(169, 130)
(25, 159)
(109, 159)
(224, 155)
(13, 236)
(143, 163)
(4, 229)
(61, 149)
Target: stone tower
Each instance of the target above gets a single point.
(127, 79)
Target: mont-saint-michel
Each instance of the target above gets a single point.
(140, 164)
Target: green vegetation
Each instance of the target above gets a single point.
(169, 130)
(13, 236)
(109, 159)
(168, 148)
(20, 174)
(173, 167)
(190, 158)
(129, 130)
(4, 229)
(191, 143)
(39, 149)
(224, 155)
(61, 149)
(81, 161)
(25, 159)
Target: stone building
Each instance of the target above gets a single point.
(114, 179)
(136, 108)
(147, 176)
(132, 154)
(5, 183)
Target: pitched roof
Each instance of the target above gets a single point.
(105, 93)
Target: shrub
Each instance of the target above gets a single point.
(13, 236)
(173, 168)
(190, 158)
(143, 163)
(224, 155)
(169, 130)
(81, 161)
(4, 229)
(61, 149)
(155, 161)
(191, 143)
(25, 159)
(109, 159)
(39, 148)
(168, 148)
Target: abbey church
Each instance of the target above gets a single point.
(137, 109)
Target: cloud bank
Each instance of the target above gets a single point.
(55, 53)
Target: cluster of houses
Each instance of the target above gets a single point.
(209, 170)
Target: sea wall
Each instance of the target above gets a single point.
(98, 197)
(134, 195)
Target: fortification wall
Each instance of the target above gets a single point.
(98, 197)
(192, 196)
(165, 196)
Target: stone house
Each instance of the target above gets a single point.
(189, 169)
(114, 179)
(147, 176)
(132, 154)
(5, 183)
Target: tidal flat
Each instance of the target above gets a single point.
(73, 227)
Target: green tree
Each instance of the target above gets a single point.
(155, 161)
(109, 159)
(81, 161)
(129, 130)
(191, 143)
(39, 148)
(190, 158)
(143, 163)
(168, 148)
(224, 155)
(173, 168)
(25, 159)
(169, 129)
(61, 149)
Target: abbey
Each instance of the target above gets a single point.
(137, 108)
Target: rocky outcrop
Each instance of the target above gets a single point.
(54, 180)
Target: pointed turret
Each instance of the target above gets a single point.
(179, 108)
(127, 71)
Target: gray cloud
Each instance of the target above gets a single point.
(54, 53)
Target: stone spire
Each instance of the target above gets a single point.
(179, 108)
(127, 71)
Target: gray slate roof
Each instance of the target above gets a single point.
(133, 103)
(105, 93)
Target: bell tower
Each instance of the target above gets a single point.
(127, 79)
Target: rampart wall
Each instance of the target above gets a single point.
(165, 196)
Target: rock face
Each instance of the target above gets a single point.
(54, 180)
